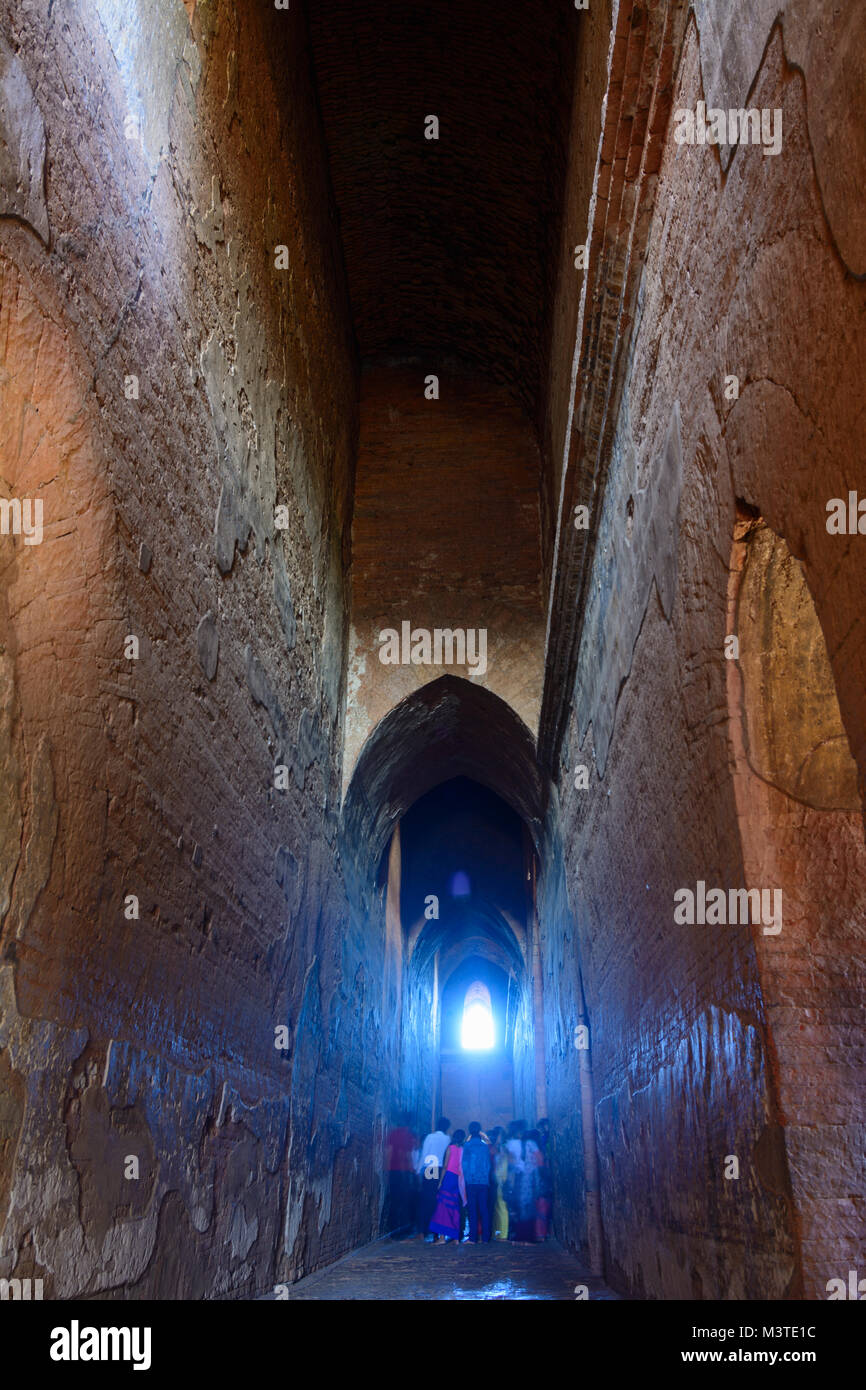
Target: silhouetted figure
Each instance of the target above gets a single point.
(513, 1179)
(544, 1140)
(430, 1170)
(546, 1176)
(476, 1175)
(534, 1159)
(399, 1144)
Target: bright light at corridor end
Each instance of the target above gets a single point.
(477, 1032)
(477, 1027)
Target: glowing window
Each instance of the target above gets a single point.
(477, 1031)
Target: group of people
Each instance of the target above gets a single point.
(469, 1186)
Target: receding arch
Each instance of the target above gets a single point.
(449, 728)
(480, 929)
(452, 728)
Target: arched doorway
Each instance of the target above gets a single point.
(467, 908)
(442, 818)
(449, 832)
(475, 1066)
(477, 1025)
(445, 826)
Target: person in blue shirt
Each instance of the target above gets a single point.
(476, 1175)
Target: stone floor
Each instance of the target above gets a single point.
(411, 1269)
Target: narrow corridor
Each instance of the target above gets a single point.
(432, 646)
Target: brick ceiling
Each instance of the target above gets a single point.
(449, 244)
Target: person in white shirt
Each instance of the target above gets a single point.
(429, 1168)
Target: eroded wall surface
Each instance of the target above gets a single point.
(801, 822)
(750, 272)
(182, 399)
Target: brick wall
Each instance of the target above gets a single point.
(176, 159)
